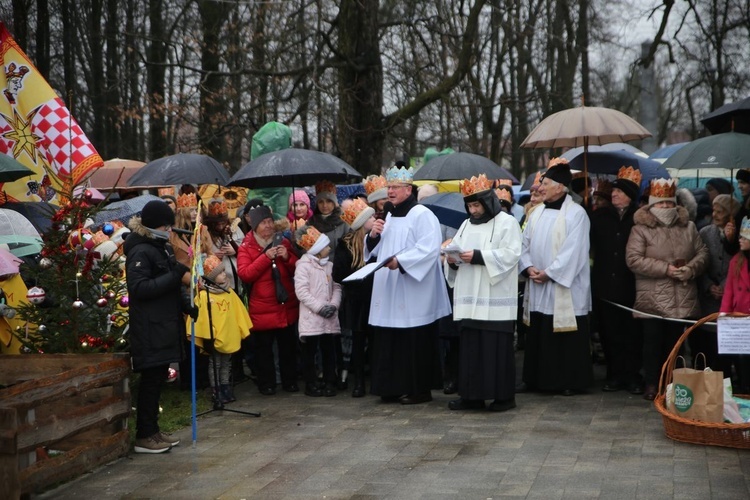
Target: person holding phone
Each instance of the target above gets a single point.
(265, 264)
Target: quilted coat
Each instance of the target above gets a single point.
(254, 269)
(315, 288)
(651, 247)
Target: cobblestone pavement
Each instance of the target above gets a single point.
(597, 445)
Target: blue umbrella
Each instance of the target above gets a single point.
(612, 146)
(609, 162)
(449, 208)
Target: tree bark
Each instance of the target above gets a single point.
(156, 59)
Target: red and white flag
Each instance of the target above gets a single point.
(37, 130)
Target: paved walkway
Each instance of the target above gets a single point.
(599, 445)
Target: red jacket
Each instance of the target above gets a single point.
(254, 269)
(737, 289)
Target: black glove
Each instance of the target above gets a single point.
(327, 311)
(193, 313)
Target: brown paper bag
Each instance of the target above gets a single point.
(698, 394)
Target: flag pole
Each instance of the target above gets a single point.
(195, 272)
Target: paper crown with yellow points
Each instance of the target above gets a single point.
(399, 176)
(631, 174)
(311, 240)
(504, 195)
(475, 185)
(662, 190)
(357, 213)
(217, 208)
(375, 188)
(187, 201)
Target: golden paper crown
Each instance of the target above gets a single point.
(353, 210)
(503, 182)
(211, 263)
(475, 185)
(373, 183)
(630, 174)
(308, 238)
(325, 187)
(663, 188)
(504, 194)
(187, 201)
(217, 207)
(556, 161)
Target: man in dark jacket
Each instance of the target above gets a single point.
(613, 282)
(157, 326)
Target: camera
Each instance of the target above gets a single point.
(278, 239)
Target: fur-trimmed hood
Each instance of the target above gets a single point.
(644, 217)
(686, 199)
(137, 227)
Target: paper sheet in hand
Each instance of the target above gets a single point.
(733, 335)
(367, 270)
(454, 251)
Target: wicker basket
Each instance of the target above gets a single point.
(694, 431)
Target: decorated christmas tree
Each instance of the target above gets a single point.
(77, 300)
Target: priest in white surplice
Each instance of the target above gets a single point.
(408, 296)
(484, 277)
(557, 299)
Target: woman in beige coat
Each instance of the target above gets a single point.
(666, 254)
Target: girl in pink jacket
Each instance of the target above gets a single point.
(320, 298)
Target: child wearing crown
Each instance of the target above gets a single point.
(220, 330)
(320, 298)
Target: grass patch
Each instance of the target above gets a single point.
(175, 404)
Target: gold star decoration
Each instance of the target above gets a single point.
(21, 135)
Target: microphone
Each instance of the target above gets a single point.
(181, 231)
(388, 208)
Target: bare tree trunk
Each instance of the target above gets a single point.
(156, 59)
(111, 91)
(69, 70)
(96, 78)
(42, 38)
(21, 23)
(212, 103)
(583, 46)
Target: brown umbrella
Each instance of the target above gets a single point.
(585, 126)
(114, 174)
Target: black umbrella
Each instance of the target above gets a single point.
(457, 166)
(609, 163)
(732, 117)
(12, 170)
(39, 213)
(293, 167)
(449, 208)
(182, 168)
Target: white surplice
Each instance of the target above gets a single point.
(569, 268)
(417, 296)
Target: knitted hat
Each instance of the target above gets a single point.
(357, 213)
(745, 228)
(156, 213)
(258, 215)
(722, 186)
(187, 201)
(728, 203)
(326, 190)
(662, 190)
(212, 267)
(376, 188)
(558, 171)
(628, 181)
(579, 181)
(743, 175)
(312, 240)
(299, 196)
(251, 203)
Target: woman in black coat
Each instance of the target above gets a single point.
(157, 301)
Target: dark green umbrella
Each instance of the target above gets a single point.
(730, 150)
(12, 170)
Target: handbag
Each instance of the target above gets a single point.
(698, 394)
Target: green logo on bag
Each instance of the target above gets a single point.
(683, 397)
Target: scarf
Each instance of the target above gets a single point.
(563, 316)
(667, 216)
(326, 223)
(403, 208)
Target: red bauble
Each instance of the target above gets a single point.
(102, 302)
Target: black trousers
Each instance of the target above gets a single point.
(147, 407)
(327, 344)
(659, 337)
(286, 342)
(622, 341)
